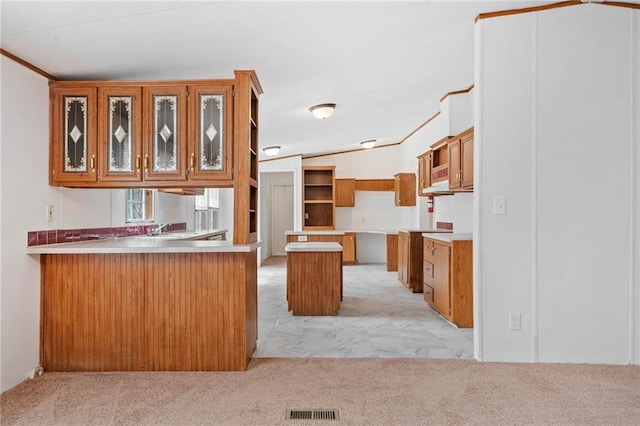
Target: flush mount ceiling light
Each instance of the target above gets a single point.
(368, 144)
(322, 111)
(271, 150)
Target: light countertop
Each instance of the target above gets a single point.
(176, 242)
(457, 236)
(431, 231)
(344, 231)
(312, 247)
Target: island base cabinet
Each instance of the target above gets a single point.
(148, 312)
(314, 282)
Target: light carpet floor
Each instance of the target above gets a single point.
(374, 391)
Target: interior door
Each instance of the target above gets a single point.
(281, 217)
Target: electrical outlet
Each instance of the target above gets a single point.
(50, 216)
(515, 319)
(36, 371)
(302, 238)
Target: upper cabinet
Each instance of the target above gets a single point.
(440, 160)
(210, 110)
(120, 133)
(345, 192)
(165, 133)
(405, 189)
(73, 150)
(128, 134)
(448, 166)
(424, 172)
(461, 161)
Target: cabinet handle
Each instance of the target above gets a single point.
(193, 161)
(93, 162)
(146, 162)
(138, 162)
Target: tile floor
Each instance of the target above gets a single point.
(377, 318)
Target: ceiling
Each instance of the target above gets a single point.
(386, 64)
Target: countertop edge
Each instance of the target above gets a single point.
(126, 245)
(449, 237)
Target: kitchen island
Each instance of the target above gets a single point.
(147, 304)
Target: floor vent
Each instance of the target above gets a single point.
(313, 415)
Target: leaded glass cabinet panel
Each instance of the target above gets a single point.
(165, 133)
(119, 129)
(73, 139)
(210, 112)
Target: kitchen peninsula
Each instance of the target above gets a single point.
(148, 304)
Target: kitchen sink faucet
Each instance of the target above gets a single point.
(157, 230)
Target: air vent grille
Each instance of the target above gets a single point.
(313, 415)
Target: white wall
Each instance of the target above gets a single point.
(376, 210)
(556, 135)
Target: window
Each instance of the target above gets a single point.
(139, 205)
(206, 209)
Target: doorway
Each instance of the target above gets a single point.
(281, 217)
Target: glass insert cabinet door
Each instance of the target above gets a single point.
(74, 139)
(165, 133)
(119, 129)
(210, 109)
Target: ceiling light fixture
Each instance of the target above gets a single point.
(271, 150)
(322, 111)
(368, 144)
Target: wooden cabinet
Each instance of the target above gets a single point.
(120, 134)
(112, 134)
(73, 146)
(440, 160)
(245, 158)
(424, 172)
(349, 248)
(448, 279)
(410, 260)
(318, 197)
(392, 252)
(405, 189)
(165, 133)
(346, 192)
(461, 161)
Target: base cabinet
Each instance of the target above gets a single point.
(410, 260)
(349, 248)
(448, 279)
(148, 311)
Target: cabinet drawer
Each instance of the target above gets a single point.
(428, 294)
(427, 271)
(428, 249)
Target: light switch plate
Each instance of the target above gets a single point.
(499, 205)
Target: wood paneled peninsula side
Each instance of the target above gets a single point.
(148, 304)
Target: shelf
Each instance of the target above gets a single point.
(318, 197)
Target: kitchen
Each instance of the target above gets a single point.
(516, 268)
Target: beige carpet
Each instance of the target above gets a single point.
(365, 391)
